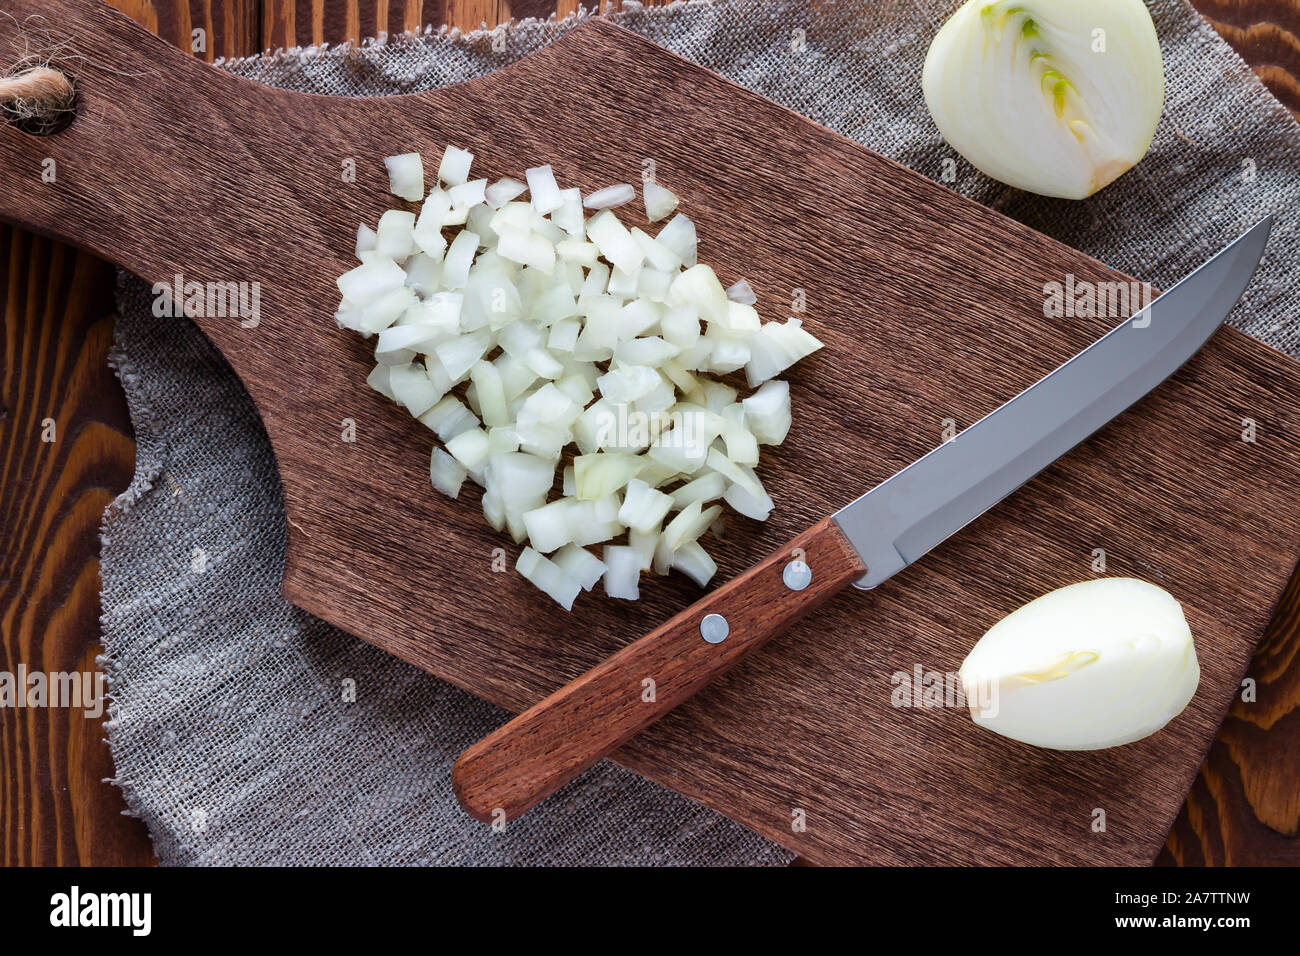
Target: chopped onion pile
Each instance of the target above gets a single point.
(516, 329)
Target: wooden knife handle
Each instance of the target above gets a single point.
(553, 741)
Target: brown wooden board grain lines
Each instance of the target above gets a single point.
(1267, 35)
(555, 740)
(1242, 809)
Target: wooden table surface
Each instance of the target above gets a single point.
(57, 303)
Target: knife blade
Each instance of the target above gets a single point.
(907, 515)
(868, 541)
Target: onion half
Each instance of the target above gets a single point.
(1055, 97)
(1089, 666)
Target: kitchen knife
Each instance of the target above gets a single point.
(864, 543)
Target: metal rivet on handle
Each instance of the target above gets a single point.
(797, 575)
(714, 628)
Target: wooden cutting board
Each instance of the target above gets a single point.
(931, 309)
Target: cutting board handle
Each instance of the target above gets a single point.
(171, 165)
(552, 742)
(130, 88)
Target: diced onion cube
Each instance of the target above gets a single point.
(734, 473)
(406, 176)
(447, 473)
(413, 388)
(742, 446)
(449, 418)
(657, 254)
(491, 395)
(469, 193)
(705, 488)
(614, 241)
(394, 237)
(548, 526)
(568, 215)
(776, 347)
(503, 191)
(371, 280)
(548, 577)
(564, 335)
(628, 383)
(367, 238)
(455, 265)
(580, 564)
(767, 412)
(679, 236)
(378, 380)
(643, 507)
(610, 196)
(424, 273)
(622, 571)
(681, 326)
(741, 292)
(743, 499)
(583, 253)
(459, 354)
(699, 287)
(520, 480)
(528, 249)
(543, 363)
(692, 522)
(599, 475)
(659, 202)
(470, 448)
(541, 186)
(693, 561)
(454, 168)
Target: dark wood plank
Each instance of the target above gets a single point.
(288, 23)
(55, 807)
(226, 27)
(806, 724)
(1242, 809)
(1267, 35)
(1267, 762)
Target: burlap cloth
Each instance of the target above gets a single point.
(230, 727)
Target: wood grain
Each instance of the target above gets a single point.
(525, 761)
(944, 274)
(1266, 33)
(55, 806)
(1261, 827)
(1242, 810)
